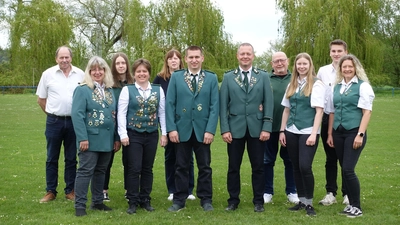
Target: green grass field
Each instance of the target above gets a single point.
(22, 179)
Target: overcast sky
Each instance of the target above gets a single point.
(253, 21)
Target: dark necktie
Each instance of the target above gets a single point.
(194, 82)
(245, 80)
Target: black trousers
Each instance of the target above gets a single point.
(204, 178)
(302, 157)
(140, 155)
(348, 158)
(331, 164)
(255, 151)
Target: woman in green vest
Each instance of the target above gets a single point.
(350, 112)
(141, 107)
(300, 128)
(93, 116)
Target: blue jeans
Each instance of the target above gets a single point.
(170, 158)
(92, 168)
(270, 153)
(60, 131)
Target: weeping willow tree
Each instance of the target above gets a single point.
(388, 29)
(178, 24)
(309, 26)
(37, 29)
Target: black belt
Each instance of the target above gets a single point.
(59, 117)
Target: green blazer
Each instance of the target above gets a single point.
(240, 110)
(94, 118)
(187, 111)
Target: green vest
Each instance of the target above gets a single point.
(142, 114)
(301, 113)
(346, 111)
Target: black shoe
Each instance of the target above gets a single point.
(100, 207)
(175, 208)
(310, 210)
(208, 207)
(146, 205)
(298, 207)
(80, 212)
(231, 207)
(131, 209)
(258, 208)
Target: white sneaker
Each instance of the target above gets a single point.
(329, 199)
(293, 198)
(345, 200)
(170, 197)
(355, 212)
(267, 198)
(191, 197)
(347, 210)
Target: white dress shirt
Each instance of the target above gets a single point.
(123, 103)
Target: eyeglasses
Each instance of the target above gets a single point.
(279, 61)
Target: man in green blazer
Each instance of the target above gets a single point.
(192, 107)
(246, 108)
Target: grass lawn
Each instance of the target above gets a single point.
(22, 179)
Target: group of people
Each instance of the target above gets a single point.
(94, 113)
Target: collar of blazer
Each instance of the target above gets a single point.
(188, 80)
(253, 80)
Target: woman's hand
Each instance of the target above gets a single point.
(282, 138)
(163, 140)
(84, 145)
(125, 141)
(311, 140)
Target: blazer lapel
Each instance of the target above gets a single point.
(200, 82)
(188, 81)
(238, 79)
(255, 77)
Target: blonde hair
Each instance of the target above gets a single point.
(360, 73)
(97, 61)
(309, 78)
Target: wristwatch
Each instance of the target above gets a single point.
(360, 134)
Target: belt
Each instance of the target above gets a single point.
(59, 117)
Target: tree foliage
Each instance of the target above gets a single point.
(37, 29)
(388, 31)
(309, 26)
(100, 23)
(150, 32)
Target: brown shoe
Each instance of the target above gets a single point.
(70, 196)
(50, 196)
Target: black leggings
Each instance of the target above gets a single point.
(302, 157)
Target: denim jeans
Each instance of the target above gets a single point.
(270, 153)
(92, 169)
(60, 132)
